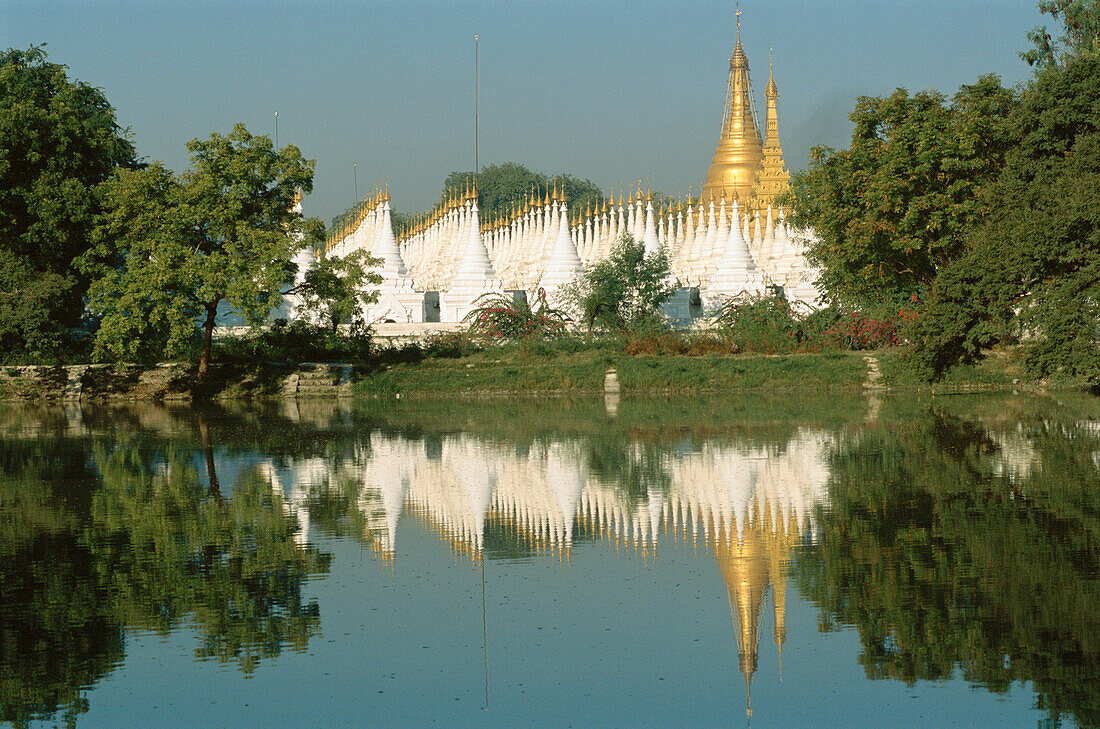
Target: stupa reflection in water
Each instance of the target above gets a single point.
(749, 506)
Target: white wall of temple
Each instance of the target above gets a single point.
(526, 247)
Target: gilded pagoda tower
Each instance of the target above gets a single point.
(774, 178)
(745, 167)
(739, 155)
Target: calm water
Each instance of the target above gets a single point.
(765, 562)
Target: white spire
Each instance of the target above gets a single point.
(736, 270)
(393, 265)
(564, 263)
(649, 237)
(475, 263)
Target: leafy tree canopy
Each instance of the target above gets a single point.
(173, 247)
(1034, 266)
(58, 141)
(499, 188)
(1081, 22)
(895, 207)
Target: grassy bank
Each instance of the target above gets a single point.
(520, 371)
(1000, 370)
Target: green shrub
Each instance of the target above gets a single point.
(451, 344)
(765, 324)
(296, 342)
(623, 292)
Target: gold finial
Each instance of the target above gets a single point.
(737, 13)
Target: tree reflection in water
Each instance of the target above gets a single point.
(98, 538)
(951, 546)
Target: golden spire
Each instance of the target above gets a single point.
(737, 159)
(774, 178)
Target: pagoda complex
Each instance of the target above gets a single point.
(747, 169)
(730, 240)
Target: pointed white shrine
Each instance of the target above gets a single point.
(475, 276)
(397, 301)
(564, 264)
(736, 272)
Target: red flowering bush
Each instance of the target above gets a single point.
(499, 317)
(856, 330)
(770, 324)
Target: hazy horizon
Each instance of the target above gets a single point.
(611, 92)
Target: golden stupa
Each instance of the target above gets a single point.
(750, 562)
(742, 159)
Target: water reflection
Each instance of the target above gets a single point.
(960, 538)
(969, 546)
(105, 528)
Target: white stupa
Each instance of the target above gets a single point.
(397, 301)
(475, 276)
(736, 272)
(563, 265)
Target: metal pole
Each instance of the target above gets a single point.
(355, 175)
(276, 131)
(476, 160)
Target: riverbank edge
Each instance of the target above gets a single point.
(487, 375)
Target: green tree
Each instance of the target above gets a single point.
(1033, 268)
(173, 248)
(1081, 22)
(623, 291)
(58, 141)
(335, 289)
(499, 187)
(896, 206)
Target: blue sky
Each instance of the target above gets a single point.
(610, 91)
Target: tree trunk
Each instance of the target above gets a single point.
(208, 451)
(207, 339)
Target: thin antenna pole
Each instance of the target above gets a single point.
(484, 636)
(476, 159)
(276, 131)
